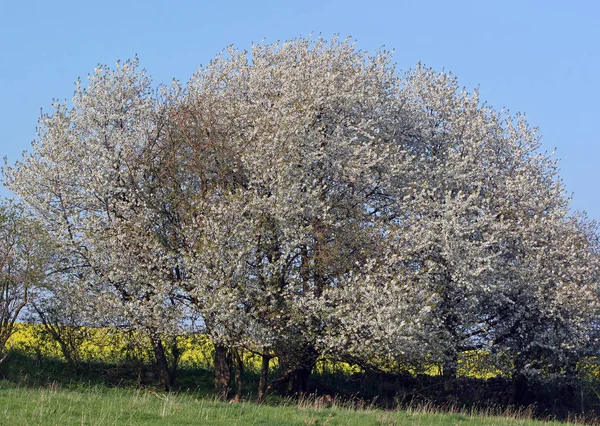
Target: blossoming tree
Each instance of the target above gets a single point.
(306, 200)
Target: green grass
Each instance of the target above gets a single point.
(100, 405)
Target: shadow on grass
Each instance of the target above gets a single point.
(25, 370)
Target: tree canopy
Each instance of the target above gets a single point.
(305, 199)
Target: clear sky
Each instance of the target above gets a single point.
(537, 57)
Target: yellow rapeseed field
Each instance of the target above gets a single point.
(115, 346)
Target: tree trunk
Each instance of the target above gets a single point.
(175, 353)
(519, 397)
(300, 369)
(519, 383)
(162, 365)
(223, 370)
(239, 371)
(450, 299)
(302, 374)
(3, 356)
(450, 370)
(264, 377)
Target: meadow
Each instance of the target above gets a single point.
(99, 405)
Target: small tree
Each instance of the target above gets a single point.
(91, 181)
(23, 261)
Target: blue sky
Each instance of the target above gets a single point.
(537, 57)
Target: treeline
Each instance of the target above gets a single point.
(300, 201)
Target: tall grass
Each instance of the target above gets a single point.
(99, 405)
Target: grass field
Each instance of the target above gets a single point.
(100, 405)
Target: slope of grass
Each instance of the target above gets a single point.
(99, 405)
